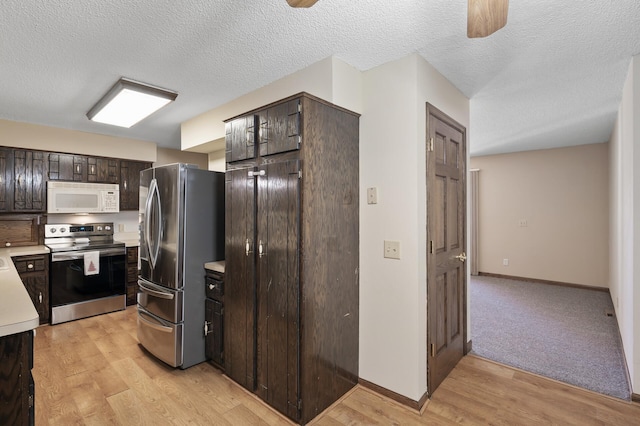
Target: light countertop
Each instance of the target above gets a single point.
(215, 266)
(17, 313)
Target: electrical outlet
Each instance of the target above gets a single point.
(505, 262)
(392, 249)
(372, 195)
(523, 223)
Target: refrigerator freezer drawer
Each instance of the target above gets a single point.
(162, 302)
(162, 338)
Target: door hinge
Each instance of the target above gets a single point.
(430, 144)
(300, 174)
(433, 350)
(431, 246)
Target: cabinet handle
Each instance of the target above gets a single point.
(260, 249)
(77, 168)
(40, 297)
(247, 248)
(7, 244)
(212, 286)
(29, 265)
(206, 327)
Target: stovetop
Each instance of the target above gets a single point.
(86, 236)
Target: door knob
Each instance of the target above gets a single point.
(462, 257)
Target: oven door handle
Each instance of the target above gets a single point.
(76, 255)
(153, 325)
(156, 293)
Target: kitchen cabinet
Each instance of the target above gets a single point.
(34, 273)
(6, 177)
(68, 167)
(21, 230)
(17, 390)
(132, 275)
(25, 189)
(214, 317)
(130, 183)
(291, 276)
(103, 170)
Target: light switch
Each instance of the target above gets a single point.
(392, 249)
(372, 195)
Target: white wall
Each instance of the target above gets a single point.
(45, 138)
(393, 313)
(217, 161)
(563, 195)
(624, 214)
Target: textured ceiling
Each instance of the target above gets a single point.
(552, 77)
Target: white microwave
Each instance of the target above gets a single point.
(81, 197)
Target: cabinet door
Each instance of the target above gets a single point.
(103, 170)
(34, 273)
(15, 351)
(278, 286)
(240, 277)
(280, 128)
(38, 289)
(29, 171)
(240, 138)
(6, 177)
(214, 329)
(67, 167)
(130, 183)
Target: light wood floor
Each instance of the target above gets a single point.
(93, 372)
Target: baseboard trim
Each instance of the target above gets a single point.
(635, 397)
(394, 396)
(468, 347)
(539, 281)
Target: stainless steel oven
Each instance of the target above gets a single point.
(87, 271)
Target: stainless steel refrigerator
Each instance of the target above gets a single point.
(181, 228)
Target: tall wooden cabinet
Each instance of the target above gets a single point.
(291, 278)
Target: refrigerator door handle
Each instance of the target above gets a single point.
(153, 240)
(153, 325)
(156, 293)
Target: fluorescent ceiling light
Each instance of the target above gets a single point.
(128, 102)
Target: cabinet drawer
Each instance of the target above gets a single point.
(33, 264)
(214, 286)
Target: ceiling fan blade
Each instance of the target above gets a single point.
(485, 17)
(301, 3)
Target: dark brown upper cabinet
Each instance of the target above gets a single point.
(26, 191)
(68, 167)
(130, 183)
(279, 129)
(103, 170)
(240, 138)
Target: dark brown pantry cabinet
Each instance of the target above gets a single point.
(214, 317)
(291, 276)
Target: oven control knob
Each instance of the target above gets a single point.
(53, 230)
(107, 228)
(62, 230)
(99, 228)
